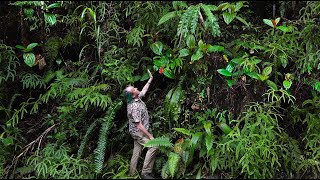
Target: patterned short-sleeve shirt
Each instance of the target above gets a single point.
(136, 112)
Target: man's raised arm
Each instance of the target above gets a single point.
(146, 87)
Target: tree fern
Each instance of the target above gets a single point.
(99, 152)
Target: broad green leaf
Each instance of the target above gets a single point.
(267, 70)
(202, 45)
(239, 5)
(256, 61)
(287, 84)
(20, 47)
(168, 73)
(268, 22)
(207, 127)
(224, 72)
(209, 142)
(7, 141)
(191, 42)
(237, 60)
(29, 59)
(272, 84)
(231, 82)
(228, 17)
(31, 46)
(253, 75)
(167, 16)
(163, 61)
(157, 47)
(198, 55)
(284, 28)
(222, 6)
(215, 48)
(184, 52)
(242, 20)
(50, 18)
(224, 127)
(53, 5)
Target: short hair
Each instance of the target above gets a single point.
(128, 94)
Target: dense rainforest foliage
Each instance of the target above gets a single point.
(235, 91)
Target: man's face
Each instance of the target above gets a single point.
(135, 92)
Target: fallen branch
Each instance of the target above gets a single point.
(26, 148)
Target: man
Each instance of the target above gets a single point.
(139, 129)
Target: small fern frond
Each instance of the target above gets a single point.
(173, 162)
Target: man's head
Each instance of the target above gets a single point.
(131, 92)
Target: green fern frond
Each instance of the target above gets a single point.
(32, 81)
(173, 162)
(159, 142)
(86, 137)
(106, 121)
(183, 131)
(27, 3)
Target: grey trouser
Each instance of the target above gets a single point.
(139, 140)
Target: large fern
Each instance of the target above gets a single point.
(106, 121)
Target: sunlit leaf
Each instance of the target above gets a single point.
(229, 67)
(31, 46)
(284, 28)
(50, 18)
(268, 22)
(228, 17)
(224, 72)
(287, 84)
(53, 5)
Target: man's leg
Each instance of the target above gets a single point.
(137, 149)
(149, 160)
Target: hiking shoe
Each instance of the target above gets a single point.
(147, 176)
